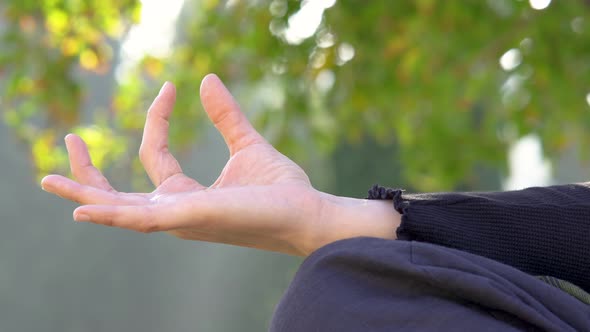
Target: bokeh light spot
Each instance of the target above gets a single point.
(539, 4)
(511, 59)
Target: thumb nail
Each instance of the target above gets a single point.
(163, 87)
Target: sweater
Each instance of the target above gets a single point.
(540, 230)
(376, 285)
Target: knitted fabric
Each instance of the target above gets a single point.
(541, 230)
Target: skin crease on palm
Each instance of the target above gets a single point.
(261, 199)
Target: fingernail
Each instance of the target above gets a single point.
(82, 217)
(163, 87)
(42, 183)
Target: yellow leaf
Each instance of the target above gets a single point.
(70, 46)
(88, 59)
(153, 66)
(57, 21)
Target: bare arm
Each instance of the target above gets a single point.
(261, 199)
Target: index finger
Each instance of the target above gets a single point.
(153, 152)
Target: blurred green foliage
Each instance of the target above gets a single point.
(42, 43)
(422, 75)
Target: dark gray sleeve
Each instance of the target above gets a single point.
(540, 230)
(369, 284)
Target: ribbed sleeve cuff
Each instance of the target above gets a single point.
(400, 204)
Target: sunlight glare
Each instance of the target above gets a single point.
(306, 21)
(528, 167)
(511, 59)
(345, 53)
(325, 80)
(153, 35)
(539, 4)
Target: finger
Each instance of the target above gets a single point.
(139, 218)
(225, 114)
(81, 164)
(83, 194)
(153, 152)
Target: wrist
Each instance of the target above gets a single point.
(345, 217)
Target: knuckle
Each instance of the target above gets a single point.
(111, 218)
(74, 199)
(143, 153)
(149, 224)
(109, 221)
(79, 197)
(76, 172)
(149, 227)
(92, 171)
(183, 235)
(104, 183)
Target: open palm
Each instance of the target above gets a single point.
(261, 198)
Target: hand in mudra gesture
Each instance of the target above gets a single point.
(261, 199)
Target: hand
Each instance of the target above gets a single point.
(261, 198)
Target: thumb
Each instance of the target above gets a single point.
(225, 114)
